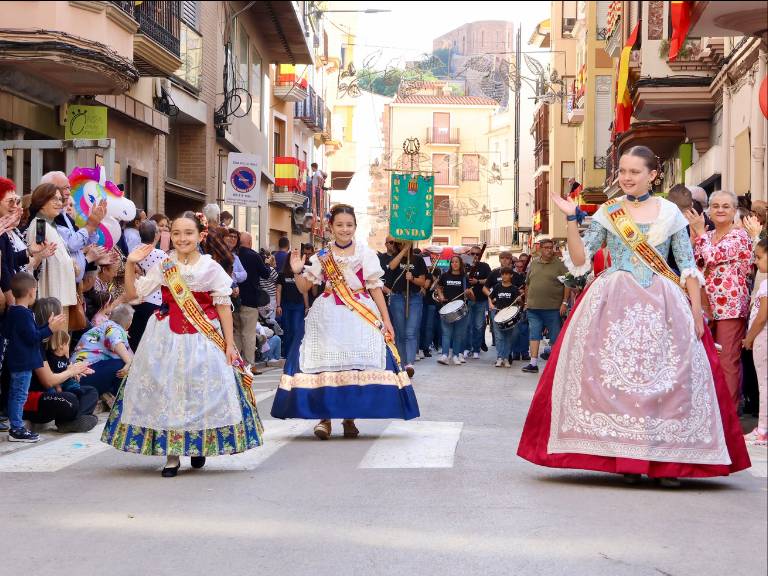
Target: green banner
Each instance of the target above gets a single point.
(85, 122)
(412, 206)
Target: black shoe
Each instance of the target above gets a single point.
(83, 423)
(170, 472)
(531, 369)
(513, 357)
(198, 461)
(427, 354)
(544, 355)
(4, 425)
(526, 357)
(22, 435)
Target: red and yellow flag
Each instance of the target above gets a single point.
(623, 97)
(680, 16)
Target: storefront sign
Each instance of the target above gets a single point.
(411, 207)
(243, 179)
(85, 122)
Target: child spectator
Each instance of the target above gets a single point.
(757, 341)
(23, 352)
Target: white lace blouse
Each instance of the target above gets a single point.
(205, 275)
(363, 258)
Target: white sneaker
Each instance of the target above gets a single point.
(506, 364)
(499, 363)
(457, 360)
(419, 355)
(443, 359)
(462, 358)
(476, 356)
(466, 353)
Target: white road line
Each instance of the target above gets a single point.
(57, 454)
(759, 457)
(414, 444)
(277, 433)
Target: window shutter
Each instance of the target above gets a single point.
(190, 13)
(603, 116)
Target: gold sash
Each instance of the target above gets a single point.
(195, 315)
(343, 292)
(630, 233)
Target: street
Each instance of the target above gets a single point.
(444, 494)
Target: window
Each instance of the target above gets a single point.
(469, 240)
(191, 55)
(442, 211)
(440, 240)
(190, 13)
(568, 100)
(470, 167)
(567, 171)
(569, 18)
(256, 88)
(603, 117)
(602, 18)
(440, 165)
(242, 59)
(441, 127)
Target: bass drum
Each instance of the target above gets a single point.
(454, 311)
(507, 318)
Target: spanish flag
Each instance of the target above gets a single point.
(680, 15)
(623, 97)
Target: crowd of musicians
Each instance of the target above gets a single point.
(448, 310)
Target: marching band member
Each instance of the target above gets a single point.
(633, 385)
(503, 295)
(452, 286)
(182, 396)
(346, 365)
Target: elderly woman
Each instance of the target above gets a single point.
(725, 256)
(57, 274)
(106, 350)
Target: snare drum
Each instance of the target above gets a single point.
(454, 311)
(507, 318)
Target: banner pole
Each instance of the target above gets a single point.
(407, 282)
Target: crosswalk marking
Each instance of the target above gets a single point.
(55, 455)
(277, 433)
(414, 444)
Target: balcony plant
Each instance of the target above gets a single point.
(689, 50)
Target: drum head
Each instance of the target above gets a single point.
(506, 314)
(452, 307)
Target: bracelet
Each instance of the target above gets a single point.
(572, 218)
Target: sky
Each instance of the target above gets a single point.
(404, 34)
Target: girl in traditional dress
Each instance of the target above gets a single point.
(182, 396)
(633, 385)
(346, 365)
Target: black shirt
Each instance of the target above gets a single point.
(57, 364)
(289, 294)
(417, 268)
(389, 275)
(481, 273)
(503, 296)
(453, 285)
(255, 268)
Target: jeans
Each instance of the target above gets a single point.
(504, 340)
(17, 396)
(275, 348)
(293, 325)
(406, 329)
(538, 319)
(454, 335)
(476, 325)
(427, 325)
(520, 339)
(104, 377)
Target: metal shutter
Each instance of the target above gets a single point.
(190, 13)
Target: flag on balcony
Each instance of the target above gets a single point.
(577, 195)
(680, 15)
(287, 172)
(537, 221)
(623, 97)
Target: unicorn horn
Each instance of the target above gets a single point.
(102, 176)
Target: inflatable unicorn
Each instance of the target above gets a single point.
(89, 187)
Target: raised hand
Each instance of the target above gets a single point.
(98, 212)
(566, 206)
(752, 226)
(8, 222)
(57, 323)
(297, 262)
(139, 253)
(696, 221)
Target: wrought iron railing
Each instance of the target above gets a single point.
(602, 33)
(158, 21)
(601, 162)
(442, 135)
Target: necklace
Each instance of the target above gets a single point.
(637, 199)
(340, 247)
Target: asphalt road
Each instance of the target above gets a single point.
(443, 495)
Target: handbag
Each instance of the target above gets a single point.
(77, 318)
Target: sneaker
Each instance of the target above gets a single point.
(476, 356)
(22, 435)
(531, 369)
(4, 425)
(82, 423)
(427, 354)
(457, 360)
(544, 355)
(462, 358)
(466, 353)
(506, 364)
(499, 363)
(419, 355)
(443, 359)
(755, 438)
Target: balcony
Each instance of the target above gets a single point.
(326, 133)
(445, 218)
(449, 136)
(574, 110)
(290, 181)
(157, 44)
(286, 29)
(696, 55)
(311, 111)
(49, 54)
(288, 87)
(541, 154)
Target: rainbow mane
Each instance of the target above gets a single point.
(85, 196)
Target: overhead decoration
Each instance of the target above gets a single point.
(624, 107)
